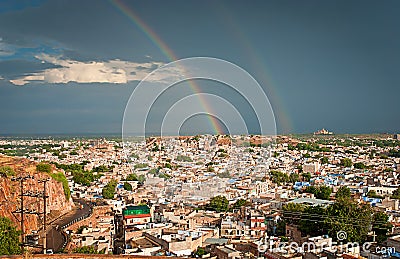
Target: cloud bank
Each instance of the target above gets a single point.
(111, 71)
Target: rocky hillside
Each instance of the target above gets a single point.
(57, 203)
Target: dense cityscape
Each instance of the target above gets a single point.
(298, 196)
(219, 129)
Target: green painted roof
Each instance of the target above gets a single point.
(135, 210)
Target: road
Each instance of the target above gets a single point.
(55, 238)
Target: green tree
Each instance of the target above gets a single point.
(360, 165)
(324, 193)
(127, 186)
(6, 171)
(224, 174)
(291, 211)
(108, 191)
(299, 168)
(132, 177)
(293, 177)
(200, 251)
(43, 168)
(154, 171)
(279, 177)
(324, 160)
(281, 228)
(308, 224)
(239, 203)
(381, 226)
(218, 204)
(343, 193)
(396, 194)
(165, 176)
(85, 178)
(346, 162)
(103, 169)
(9, 237)
(80, 229)
(141, 178)
(306, 176)
(373, 194)
(133, 155)
(321, 192)
(311, 189)
(141, 166)
(349, 216)
(183, 158)
(343, 215)
(294, 207)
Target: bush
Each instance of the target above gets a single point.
(60, 177)
(200, 251)
(183, 158)
(225, 174)
(80, 229)
(109, 190)
(343, 193)
(218, 204)
(9, 237)
(373, 194)
(43, 168)
(134, 177)
(85, 250)
(141, 166)
(6, 171)
(103, 169)
(346, 162)
(360, 165)
(321, 192)
(127, 186)
(83, 177)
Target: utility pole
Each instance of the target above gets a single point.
(44, 181)
(24, 211)
(21, 180)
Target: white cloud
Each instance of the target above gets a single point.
(112, 71)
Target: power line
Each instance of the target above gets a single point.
(294, 213)
(323, 219)
(30, 240)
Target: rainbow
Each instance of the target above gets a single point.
(160, 44)
(243, 40)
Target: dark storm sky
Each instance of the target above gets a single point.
(70, 66)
